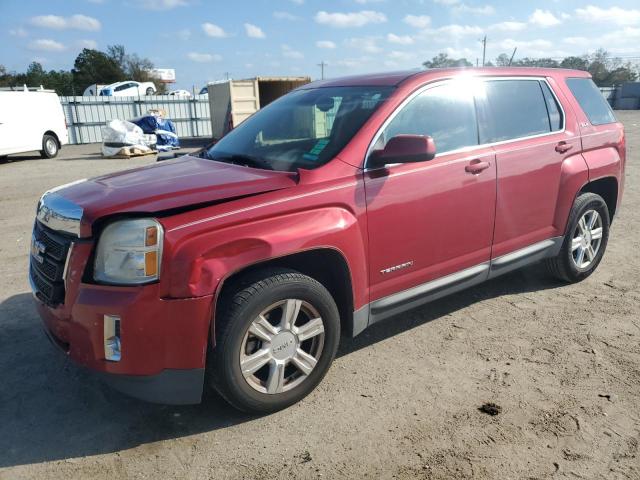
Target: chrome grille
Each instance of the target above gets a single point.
(47, 264)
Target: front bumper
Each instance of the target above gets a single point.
(164, 341)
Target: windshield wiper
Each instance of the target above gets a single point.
(245, 160)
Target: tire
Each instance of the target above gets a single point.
(50, 146)
(271, 293)
(567, 265)
(150, 91)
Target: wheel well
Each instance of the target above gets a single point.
(53, 134)
(325, 265)
(607, 188)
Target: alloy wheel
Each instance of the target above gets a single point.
(587, 238)
(282, 346)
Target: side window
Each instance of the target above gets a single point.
(444, 112)
(124, 86)
(555, 115)
(591, 100)
(515, 108)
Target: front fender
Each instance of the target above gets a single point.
(201, 262)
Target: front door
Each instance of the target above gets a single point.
(431, 219)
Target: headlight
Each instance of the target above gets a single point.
(129, 252)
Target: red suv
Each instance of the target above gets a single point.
(338, 205)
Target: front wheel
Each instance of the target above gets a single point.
(277, 335)
(50, 146)
(585, 241)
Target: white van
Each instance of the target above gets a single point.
(31, 120)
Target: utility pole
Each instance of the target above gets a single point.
(513, 55)
(484, 49)
(322, 64)
(226, 75)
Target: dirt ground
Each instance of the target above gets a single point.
(401, 401)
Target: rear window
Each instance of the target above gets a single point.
(516, 109)
(591, 100)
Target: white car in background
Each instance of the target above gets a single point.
(128, 88)
(180, 93)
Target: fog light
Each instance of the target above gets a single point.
(112, 338)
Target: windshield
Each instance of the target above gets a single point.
(304, 129)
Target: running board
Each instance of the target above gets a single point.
(413, 297)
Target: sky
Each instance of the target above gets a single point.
(208, 40)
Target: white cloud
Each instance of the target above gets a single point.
(540, 44)
(350, 20)
(459, 30)
(508, 26)
(204, 57)
(289, 52)
(285, 16)
(298, 2)
(325, 44)
(581, 41)
(77, 22)
(91, 44)
(446, 2)
(254, 31)
(615, 15)
(161, 4)
(352, 63)
(365, 44)
(399, 39)
(213, 30)
(18, 32)
(480, 10)
(544, 18)
(363, 2)
(46, 45)
(97, 2)
(418, 21)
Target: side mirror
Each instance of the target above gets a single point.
(404, 149)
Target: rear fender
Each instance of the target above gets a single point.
(574, 174)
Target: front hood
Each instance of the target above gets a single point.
(168, 185)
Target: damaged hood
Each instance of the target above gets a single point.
(171, 184)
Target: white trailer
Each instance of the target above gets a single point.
(233, 101)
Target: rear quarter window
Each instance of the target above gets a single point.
(591, 101)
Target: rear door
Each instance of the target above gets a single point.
(526, 124)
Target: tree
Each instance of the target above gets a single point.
(442, 60)
(93, 66)
(134, 67)
(536, 62)
(503, 60)
(575, 63)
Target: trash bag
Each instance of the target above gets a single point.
(119, 134)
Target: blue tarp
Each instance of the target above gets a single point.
(164, 129)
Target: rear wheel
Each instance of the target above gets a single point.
(150, 91)
(585, 241)
(277, 335)
(50, 146)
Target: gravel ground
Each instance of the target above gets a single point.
(401, 401)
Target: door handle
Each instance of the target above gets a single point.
(563, 147)
(476, 166)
